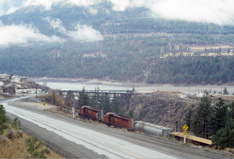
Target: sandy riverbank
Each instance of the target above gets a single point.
(91, 84)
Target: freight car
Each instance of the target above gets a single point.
(91, 113)
(152, 129)
(109, 118)
(193, 139)
(118, 121)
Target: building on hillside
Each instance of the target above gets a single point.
(1, 86)
(200, 94)
(9, 89)
(23, 79)
(5, 77)
(15, 79)
(18, 79)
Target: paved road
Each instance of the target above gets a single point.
(99, 143)
(76, 139)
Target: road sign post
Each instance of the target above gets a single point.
(185, 128)
(44, 104)
(73, 112)
(185, 133)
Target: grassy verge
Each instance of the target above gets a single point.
(17, 146)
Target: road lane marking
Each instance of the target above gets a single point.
(71, 132)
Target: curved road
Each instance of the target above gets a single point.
(100, 143)
(76, 139)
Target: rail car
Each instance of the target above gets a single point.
(109, 118)
(193, 139)
(119, 121)
(152, 129)
(92, 113)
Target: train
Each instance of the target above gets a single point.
(113, 119)
(116, 120)
(110, 118)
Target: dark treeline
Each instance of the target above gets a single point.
(98, 99)
(213, 121)
(136, 47)
(193, 70)
(120, 59)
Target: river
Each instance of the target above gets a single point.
(79, 84)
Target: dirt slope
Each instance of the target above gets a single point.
(161, 108)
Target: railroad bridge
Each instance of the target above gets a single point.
(111, 93)
(92, 93)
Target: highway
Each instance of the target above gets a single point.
(100, 143)
(75, 138)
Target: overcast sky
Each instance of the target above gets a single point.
(206, 11)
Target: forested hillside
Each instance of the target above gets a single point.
(115, 63)
(129, 45)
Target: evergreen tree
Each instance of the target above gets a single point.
(225, 136)
(225, 91)
(35, 147)
(201, 122)
(219, 116)
(131, 114)
(231, 111)
(53, 95)
(60, 93)
(96, 97)
(188, 118)
(115, 104)
(3, 119)
(69, 95)
(83, 98)
(105, 103)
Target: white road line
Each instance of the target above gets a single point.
(100, 143)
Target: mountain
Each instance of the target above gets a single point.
(112, 40)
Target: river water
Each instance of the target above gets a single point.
(79, 84)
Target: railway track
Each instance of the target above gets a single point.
(162, 145)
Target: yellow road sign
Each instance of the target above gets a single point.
(185, 127)
(44, 104)
(185, 132)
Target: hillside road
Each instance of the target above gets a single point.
(74, 138)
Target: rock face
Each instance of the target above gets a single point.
(3, 139)
(12, 135)
(161, 108)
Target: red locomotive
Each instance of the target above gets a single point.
(91, 113)
(109, 118)
(119, 121)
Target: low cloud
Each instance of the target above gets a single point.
(85, 33)
(47, 4)
(80, 32)
(56, 24)
(85, 3)
(22, 34)
(6, 5)
(207, 11)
